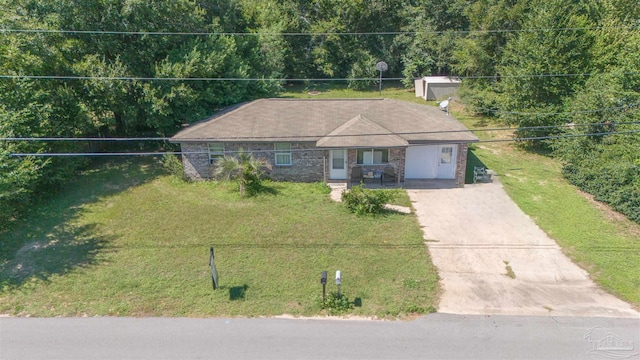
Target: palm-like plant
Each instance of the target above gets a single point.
(245, 168)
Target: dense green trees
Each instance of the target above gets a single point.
(547, 52)
(526, 63)
(608, 166)
(574, 62)
(118, 107)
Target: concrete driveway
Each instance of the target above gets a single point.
(476, 234)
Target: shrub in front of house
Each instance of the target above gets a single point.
(247, 169)
(363, 201)
(173, 166)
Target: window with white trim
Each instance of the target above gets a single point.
(372, 156)
(446, 155)
(216, 151)
(283, 153)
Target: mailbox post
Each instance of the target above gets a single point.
(339, 282)
(323, 281)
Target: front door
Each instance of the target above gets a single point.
(447, 162)
(338, 164)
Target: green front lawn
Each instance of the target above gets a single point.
(125, 240)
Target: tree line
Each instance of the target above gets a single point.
(526, 63)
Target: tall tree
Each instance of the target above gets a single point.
(608, 165)
(105, 107)
(432, 28)
(492, 24)
(33, 108)
(531, 63)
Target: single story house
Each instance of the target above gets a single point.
(325, 139)
(436, 87)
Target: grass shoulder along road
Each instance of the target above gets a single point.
(125, 240)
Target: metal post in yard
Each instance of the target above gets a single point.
(323, 281)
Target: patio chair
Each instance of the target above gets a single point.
(389, 175)
(480, 174)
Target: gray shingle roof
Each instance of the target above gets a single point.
(359, 132)
(330, 122)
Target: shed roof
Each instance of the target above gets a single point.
(330, 123)
(442, 80)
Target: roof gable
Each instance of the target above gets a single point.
(361, 132)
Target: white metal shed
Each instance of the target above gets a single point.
(436, 87)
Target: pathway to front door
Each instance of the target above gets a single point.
(493, 259)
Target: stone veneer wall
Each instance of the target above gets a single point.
(307, 162)
(396, 159)
(461, 164)
(195, 160)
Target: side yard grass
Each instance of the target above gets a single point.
(138, 245)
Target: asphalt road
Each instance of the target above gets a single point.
(436, 336)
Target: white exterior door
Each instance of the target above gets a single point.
(431, 162)
(338, 164)
(447, 161)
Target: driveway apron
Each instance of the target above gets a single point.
(494, 260)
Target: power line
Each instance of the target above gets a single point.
(132, 78)
(541, 75)
(83, 139)
(540, 127)
(621, 107)
(551, 137)
(372, 33)
(108, 154)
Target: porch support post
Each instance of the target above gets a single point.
(324, 168)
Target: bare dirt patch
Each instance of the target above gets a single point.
(492, 149)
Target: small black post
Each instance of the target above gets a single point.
(214, 271)
(323, 281)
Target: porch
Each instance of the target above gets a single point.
(406, 184)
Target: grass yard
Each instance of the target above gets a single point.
(124, 240)
(390, 90)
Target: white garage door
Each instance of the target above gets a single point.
(431, 162)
